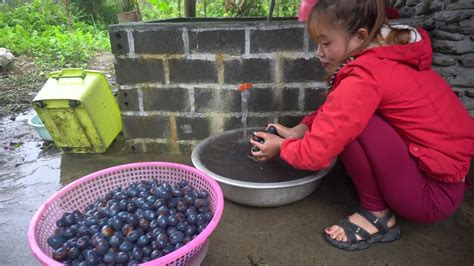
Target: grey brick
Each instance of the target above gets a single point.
(217, 41)
(265, 41)
(192, 71)
(289, 99)
(159, 41)
(128, 100)
(193, 128)
(236, 122)
(166, 99)
(313, 98)
(118, 42)
(248, 70)
(297, 70)
(261, 100)
(208, 100)
(289, 121)
(145, 126)
(129, 71)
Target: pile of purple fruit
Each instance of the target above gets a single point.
(129, 226)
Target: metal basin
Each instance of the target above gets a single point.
(251, 193)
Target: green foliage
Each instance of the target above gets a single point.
(95, 12)
(40, 29)
(163, 9)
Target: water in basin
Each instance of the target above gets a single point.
(227, 156)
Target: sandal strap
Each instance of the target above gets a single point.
(351, 230)
(379, 223)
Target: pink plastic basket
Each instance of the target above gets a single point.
(82, 192)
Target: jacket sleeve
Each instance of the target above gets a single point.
(309, 118)
(339, 121)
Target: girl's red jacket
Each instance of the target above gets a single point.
(397, 82)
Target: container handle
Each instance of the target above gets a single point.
(70, 73)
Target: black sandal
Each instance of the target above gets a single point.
(384, 234)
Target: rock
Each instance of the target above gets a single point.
(463, 4)
(443, 60)
(468, 60)
(6, 59)
(407, 12)
(444, 35)
(436, 6)
(453, 47)
(411, 3)
(452, 16)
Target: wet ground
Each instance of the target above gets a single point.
(32, 171)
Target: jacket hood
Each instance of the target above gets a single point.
(417, 54)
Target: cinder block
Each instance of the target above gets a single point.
(299, 70)
(193, 128)
(166, 99)
(209, 100)
(252, 121)
(132, 70)
(256, 70)
(128, 100)
(313, 98)
(289, 99)
(159, 41)
(278, 40)
(217, 41)
(289, 121)
(261, 100)
(192, 71)
(118, 42)
(145, 127)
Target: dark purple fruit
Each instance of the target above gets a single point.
(126, 246)
(107, 231)
(163, 221)
(143, 241)
(168, 249)
(163, 210)
(155, 254)
(83, 242)
(149, 215)
(109, 257)
(115, 241)
(60, 254)
(137, 253)
(122, 257)
(133, 236)
(55, 241)
(73, 253)
(176, 237)
(101, 247)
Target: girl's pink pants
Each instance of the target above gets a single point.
(386, 176)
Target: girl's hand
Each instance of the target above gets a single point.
(269, 149)
(296, 132)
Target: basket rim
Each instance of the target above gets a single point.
(200, 239)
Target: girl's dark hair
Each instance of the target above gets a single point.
(350, 16)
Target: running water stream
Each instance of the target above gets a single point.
(245, 110)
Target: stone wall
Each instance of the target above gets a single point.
(451, 27)
(178, 80)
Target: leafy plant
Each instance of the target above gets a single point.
(40, 29)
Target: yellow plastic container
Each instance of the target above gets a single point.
(79, 110)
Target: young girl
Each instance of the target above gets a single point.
(399, 129)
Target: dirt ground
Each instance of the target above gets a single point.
(20, 85)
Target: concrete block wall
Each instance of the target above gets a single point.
(178, 80)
